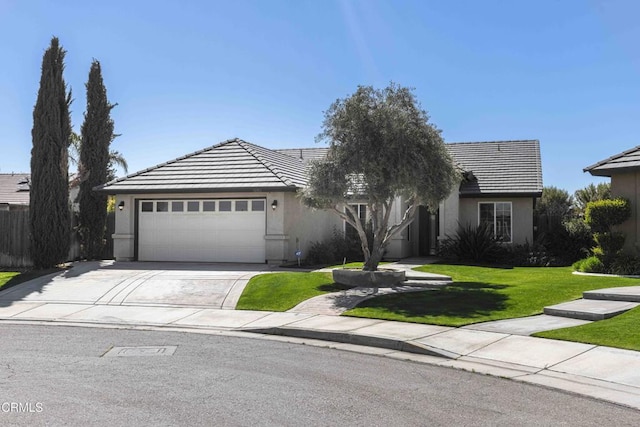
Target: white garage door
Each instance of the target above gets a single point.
(204, 230)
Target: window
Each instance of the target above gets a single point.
(193, 206)
(225, 206)
(257, 205)
(497, 215)
(208, 206)
(242, 206)
(147, 207)
(162, 206)
(349, 230)
(177, 206)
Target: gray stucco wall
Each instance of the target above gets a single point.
(627, 185)
(449, 216)
(303, 226)
(522, 215)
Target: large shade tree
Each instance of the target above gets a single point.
(555, 203)
(49, 212)
(591, 193)
(96, 135)
(382, 150)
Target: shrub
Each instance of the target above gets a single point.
(473, 243)
(577, 266)
(625, 264)
(529, 255)
(622, 264)
(320, 253)
(609, 243)
(593, 264)
(335, 249)
(567, 241)
(345, 246)
(601, 215)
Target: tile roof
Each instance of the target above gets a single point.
(14, 188)
(306, 154)
(626, 161)
(499, 167)
(233, 165)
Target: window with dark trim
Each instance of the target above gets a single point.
(257, 205)
(498, 216)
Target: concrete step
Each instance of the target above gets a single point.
(586, 309)
(630, 293)
(419, 275)
(426, 284)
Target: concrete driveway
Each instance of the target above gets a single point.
(139, 283)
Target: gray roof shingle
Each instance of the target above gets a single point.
(626, 161)
(306, 154)
(14, 188)
(499, 167)
(233, 165)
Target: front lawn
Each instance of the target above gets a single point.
(5, 276)
(620, 331)
(282, 291)
(481, 294)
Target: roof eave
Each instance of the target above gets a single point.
(196, 190)
(607, 172)
(598, 172)
(501, 194)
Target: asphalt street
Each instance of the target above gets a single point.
(93, 376)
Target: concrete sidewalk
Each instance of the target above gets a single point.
(600, 372)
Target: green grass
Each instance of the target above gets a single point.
(620, 331)
(481, 294)
(5, 276)
(282, 291)
(14, 278)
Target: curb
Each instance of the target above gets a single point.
(618, 394)
(349, 338)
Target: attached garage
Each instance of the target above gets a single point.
(226, 203)
(202, 230)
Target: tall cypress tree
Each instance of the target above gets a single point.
(50, 216)
(96, 135)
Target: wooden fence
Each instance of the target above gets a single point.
(14, 239)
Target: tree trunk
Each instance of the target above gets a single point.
(371, 264)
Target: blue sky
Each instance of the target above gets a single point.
(189, 74)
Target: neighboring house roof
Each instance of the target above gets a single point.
(233, 165)
(626, 161)
(14, 189)
(499, 167)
